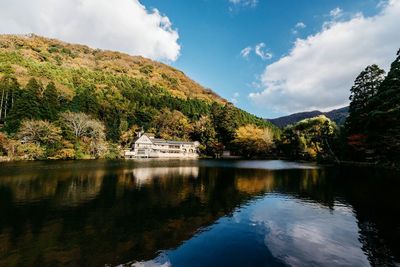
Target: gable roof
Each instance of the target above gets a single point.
(162, 141)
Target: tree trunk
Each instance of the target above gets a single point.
(5, 107)
(1, 105)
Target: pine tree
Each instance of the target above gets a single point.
(384, 118)
(86, 101)
(27, 106)
(9, 88)
(364, 89)
(50, 104)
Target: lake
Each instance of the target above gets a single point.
(197, 213)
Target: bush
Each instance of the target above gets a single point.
(30, 151)
(65, 153)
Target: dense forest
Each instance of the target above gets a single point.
(63, 101)
(66, 101)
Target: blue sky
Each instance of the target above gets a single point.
(213, 33)
(249, 51)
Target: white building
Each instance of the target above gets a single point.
(146, 146)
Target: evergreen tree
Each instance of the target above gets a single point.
(9, 88)
(384, 118)
(50, 104)
(27, 106)
(364, 89)
(225, 122)
(86, 101)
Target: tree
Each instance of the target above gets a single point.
(364, 89)
(309, 138)
(172, 125)
(86, 101)
(50, 105)
(27, 106)
(128, 135)
(225, 122)
(9, 88)
(88, 133)
(251, 140)
(40, 132)
(383, 127)
(76, 123)
(203, 131)
(95, 134)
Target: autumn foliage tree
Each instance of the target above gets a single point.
(309, 139)
(173, 125)
(251, 141)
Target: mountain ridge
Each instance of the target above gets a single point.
(337, 115)
(77, 56)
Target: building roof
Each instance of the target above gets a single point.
(163, 141)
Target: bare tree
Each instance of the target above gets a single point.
(76, 122)
(87, 129)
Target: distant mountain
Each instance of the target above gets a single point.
(337, 115)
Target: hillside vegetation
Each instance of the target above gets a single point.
(50, 85)
(66, 64)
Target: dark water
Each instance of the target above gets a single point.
(197, 213)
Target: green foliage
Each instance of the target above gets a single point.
(9, 89)
(65, 77)
(27, 106)
(365, 88)
(147, 69)
(383, 128)
(172, 125)
(50, 106)
(309, 139)
(31, 151)
(373, 126)
(204, 132)
(40, 132)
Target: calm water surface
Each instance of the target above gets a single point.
(197, 213)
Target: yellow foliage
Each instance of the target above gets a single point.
(252, 140)
(65, 153)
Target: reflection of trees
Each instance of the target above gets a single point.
(92, 216)
(373, 195)
(70, 188)
(123, 220)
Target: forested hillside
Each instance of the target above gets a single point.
(50, 85)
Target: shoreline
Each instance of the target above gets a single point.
(386, 166)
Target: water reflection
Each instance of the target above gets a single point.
(145, 176)
(206, 213)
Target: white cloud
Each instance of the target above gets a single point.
(235, 97)
(261, 52)
(259, 49)
(299, 25)
(336, 12)
(244, 3)
(319, 71)
(124, 25)
(246, 52)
